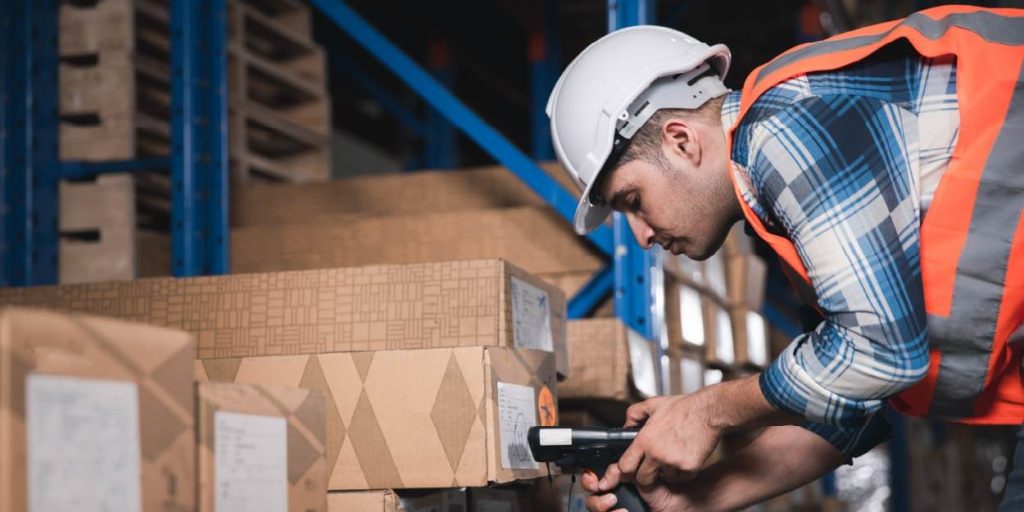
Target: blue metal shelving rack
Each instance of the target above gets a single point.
(199, 163)
(31, 170)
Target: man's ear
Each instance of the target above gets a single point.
(679, 137)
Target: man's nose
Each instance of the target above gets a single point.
(644, 233)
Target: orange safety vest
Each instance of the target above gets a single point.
(972, 237)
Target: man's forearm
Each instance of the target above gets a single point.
(782, 458)
(740, 404)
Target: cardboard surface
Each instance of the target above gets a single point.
(605, 364)
(389, 194)
(718, 343)
(534, 238)
(304, 412)
(425, 305)
(362, 501)
(154, 362)
(410, 418)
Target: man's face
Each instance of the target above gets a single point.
(686, 208)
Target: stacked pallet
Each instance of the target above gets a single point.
(115, 99)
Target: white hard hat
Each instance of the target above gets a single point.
(613, 87)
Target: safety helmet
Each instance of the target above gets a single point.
(613, 87)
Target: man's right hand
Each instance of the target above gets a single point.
(660, 497)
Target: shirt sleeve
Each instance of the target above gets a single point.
(853, 442)
(835, 174)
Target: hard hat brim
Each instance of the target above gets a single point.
(589, 216)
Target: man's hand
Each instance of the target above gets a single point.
(660, 497)
(680, 432)
(676, 439)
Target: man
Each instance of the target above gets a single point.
(885, 167)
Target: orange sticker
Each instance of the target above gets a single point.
(547, 411)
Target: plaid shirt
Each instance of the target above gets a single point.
(844, 164)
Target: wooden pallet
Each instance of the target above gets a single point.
(115, 91)
(99, 237)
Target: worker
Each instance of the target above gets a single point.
(885, 168)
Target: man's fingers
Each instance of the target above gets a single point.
(601, 502)
(639, 412)
(675, 476)
(589, 482)
(612, 478)
(648, 472)
(630, 460)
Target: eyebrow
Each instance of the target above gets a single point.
(620, 196)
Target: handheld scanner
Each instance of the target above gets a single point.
(580, 447)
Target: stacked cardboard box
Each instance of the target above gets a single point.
(261, 447)
(610, 367)
(95, 414)
(447, 500)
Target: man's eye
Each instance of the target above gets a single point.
(634, 203)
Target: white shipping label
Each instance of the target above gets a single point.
(757, 339)
(531, 317)
(517, 412)
(691, 372)
(723, 344)
(692, 315)
(83, 444)
(250, 462)
(641, 360)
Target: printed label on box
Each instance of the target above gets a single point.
(517, 412)
(641, 360)
(83, 444)
(251, 462)
(757, 342)
(531, 317)
(692, 375)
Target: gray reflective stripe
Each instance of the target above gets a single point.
(995, 28)
(965, 338)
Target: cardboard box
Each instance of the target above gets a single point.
(94, 414)
(684, 314)
(746, 275)
(738, 241)
(417, 418)
(687, 370)
(424, 305)
(363, 501)
(750, 337)
(683, 268)
(261, 444)
(534, 238)
(718, 345)
(390, 194)
(714, 276)
(607, 360)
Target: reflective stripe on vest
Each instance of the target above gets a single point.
(972, 238)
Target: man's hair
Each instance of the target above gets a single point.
(646, 142)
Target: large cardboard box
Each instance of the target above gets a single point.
(363, 501)
(261, 446)
(423, 305)
(750, 337)
(684, 314)
(94, 414)
(607, 360)
(417, 418)
(532, 237)
(389, 194)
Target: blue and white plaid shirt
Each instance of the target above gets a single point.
(845, 164)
